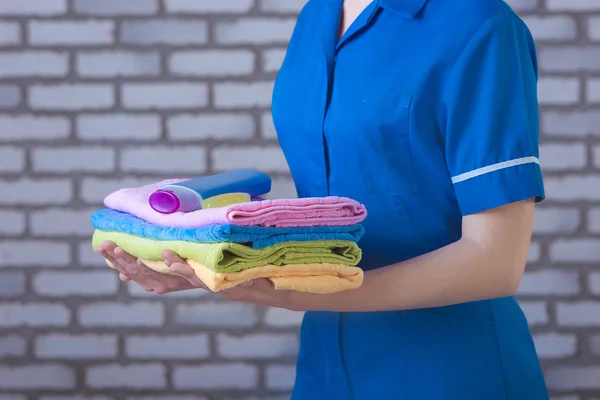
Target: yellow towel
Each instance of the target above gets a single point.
(311, 278)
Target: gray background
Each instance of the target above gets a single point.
(100, 94)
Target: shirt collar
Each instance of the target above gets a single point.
(406, 8)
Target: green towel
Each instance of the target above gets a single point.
(234, 257)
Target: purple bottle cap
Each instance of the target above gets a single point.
(164, 201)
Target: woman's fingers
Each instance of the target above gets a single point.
(181, 268)
(123, 277)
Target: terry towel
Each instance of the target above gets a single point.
(278, 213)
(312, 278)
(235, 257)
(257, 237)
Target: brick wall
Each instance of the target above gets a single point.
(99, 94)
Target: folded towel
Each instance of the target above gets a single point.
(312, 278)
(257, 237)
(234, 257)
(279, 213)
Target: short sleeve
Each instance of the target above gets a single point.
(490, 118)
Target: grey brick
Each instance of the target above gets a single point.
(10, 33)
(593, 28)
(216, 314)
(115, 7)
(257, 346)
(549, 282)
(12, 346)
(71, 33)
(64, 346)
(165, 31)
(30, 8)
(267, 128)
(260, 157)
(212, 63)
(182, 95)
(575, 250)
(30, 127)
(168, 347)
(38, 253)
(559, 91)
(555, 345)
(35, 192)
(563, 156)
(158, 159)
(535, 311)
(280, 377)
(208, 7)
(87, 257)
(169, 397)
(288, 6)
(15, 315)
(571, 123)
(568, 397)
(254, 31)
(594, 282)
(573, 187)
(75, 397)
(555, 28)
(105, 314)
(281, 318)
(84, 284)
(16, 64)
(117, 127)
(556, 220)
(535, 252)
(572, 5)
(36, 377)
(12, 397)
(12, 159)
(243, 95)
(136, 376)
(272, 59)
(593, 88)
(70, 159)
(584, 313)
(594, 344)
(223, 126)
(573, 377)
(11, 284)
(60, 222)
(10, 96)
(75, 97)
(236, 376)
(569, 58)
(13, 222)
(94, 190)
(118, 63)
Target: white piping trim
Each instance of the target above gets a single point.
(494, 167)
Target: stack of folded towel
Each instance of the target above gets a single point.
(307, 244)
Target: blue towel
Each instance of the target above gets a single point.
(256, 237)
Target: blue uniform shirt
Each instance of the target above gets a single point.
(425, 111)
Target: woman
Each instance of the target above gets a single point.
(426, 112)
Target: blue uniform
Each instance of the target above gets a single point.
(425, 111)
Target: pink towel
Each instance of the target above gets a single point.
(319, 211)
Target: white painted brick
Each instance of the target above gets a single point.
(117, 127)
(168, 347)
(257, 346)
(208, 7)
(137, 291)
(549, 283)
(12, 159)
(584, 313)
(261, 157)
(212, 63)
(79, 96)
(61, 222)
(12, 346)
(164, 95)
(63, 346)
(12, 284)
(105, 314)
(216, 314)
(13, 222)
(240, 94)
(535, 253)
(272, 59)
(223, 126)
(136, 376)
(216, 376)
(164, 31)
(70, 159)
(280, 377)
(94, 190)
(159, 159)
(536, 312)
(555, 28)
(556, 220)
(573, 187)
(563, 156)
(16, 64)
(559, 91)
(569, 58)
(115, 7)
(38, 253)
(267, 128)
(82, 284)
(29, 127)
(573, 377)
(254, 31)
(575, 250)
(593, 91)
(10, 96)
(571, 123)
(555, 345)
(10, 33)
(71, 33)
(32, 7)
(593, 28)
(594, 344)
(594, 220)
(573, 5)
(282, 318)
(36, 377)
(35, 192)
(18, 315)
(288, 6)
(117, 63)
